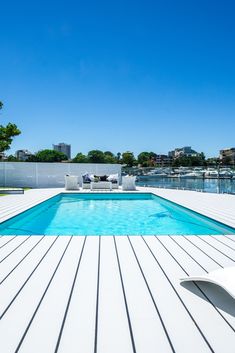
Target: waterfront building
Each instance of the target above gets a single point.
(64, 148)
(186, 151)
(162, 160)
(23, 155)
(227, 156)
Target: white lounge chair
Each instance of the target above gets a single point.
(223, 277)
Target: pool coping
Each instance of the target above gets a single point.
(12, 205)
(111, 192)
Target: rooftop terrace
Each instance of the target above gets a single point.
(116, 294)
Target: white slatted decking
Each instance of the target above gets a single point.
(115, 294)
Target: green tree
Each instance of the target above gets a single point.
(143, 159)
(32, 158)
(146, 159)
(190, 161)
(109, 157)
(152, 159)
(80, 158)
(183, 161)
(212, 161)
(119, 157)
(49, 156)
(96, 156)
(202, 156)
(7, 133)
(128, 158)
(12, 158)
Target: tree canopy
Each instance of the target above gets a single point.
(96, 156)
(190, 161)
(12, 158)
(109, 157)
(7, 133)
(48, 156)
(128, 158)
(146, 159)
(80, 158)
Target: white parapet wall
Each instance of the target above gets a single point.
(46, 175)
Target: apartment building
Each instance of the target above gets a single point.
(64, 148)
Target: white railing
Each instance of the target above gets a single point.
(46, 175)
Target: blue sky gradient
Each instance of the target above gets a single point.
(119, 75)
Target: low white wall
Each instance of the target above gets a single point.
(46, 175)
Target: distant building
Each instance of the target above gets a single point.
(3, 156)
(186, 151)
(227, 156)
(171, 154)
(23, 155)
(162, 160)
(64, 148)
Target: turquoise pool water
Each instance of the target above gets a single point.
(110, 214)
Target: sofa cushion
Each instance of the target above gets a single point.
(113, 177)
(86, 178)
(103, 178)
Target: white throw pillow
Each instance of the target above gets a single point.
(113, 177)
(92, 177)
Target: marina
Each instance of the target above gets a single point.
(212, 185)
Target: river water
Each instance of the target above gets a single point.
(205, 185)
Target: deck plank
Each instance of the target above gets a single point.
(13, 261)
(140, 304)
(6, 240)
(113, 330)
(15, 204)
(225, 240)
(13, 283)
(12, 246)
(222, 302)
(79, 328)
(183, 332)
(217, 206)
(223, 248)
(45, 327)
(201, 310)
(223, 258)
(12, 326)
(207, 262)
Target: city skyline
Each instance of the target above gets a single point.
(72, 155)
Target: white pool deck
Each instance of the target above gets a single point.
(116, 294)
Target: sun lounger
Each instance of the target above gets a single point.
(223, 277)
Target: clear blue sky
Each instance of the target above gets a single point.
(119, 75)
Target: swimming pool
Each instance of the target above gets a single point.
(110, 214)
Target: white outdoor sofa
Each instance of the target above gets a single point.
(105, 185)
(102, 185)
